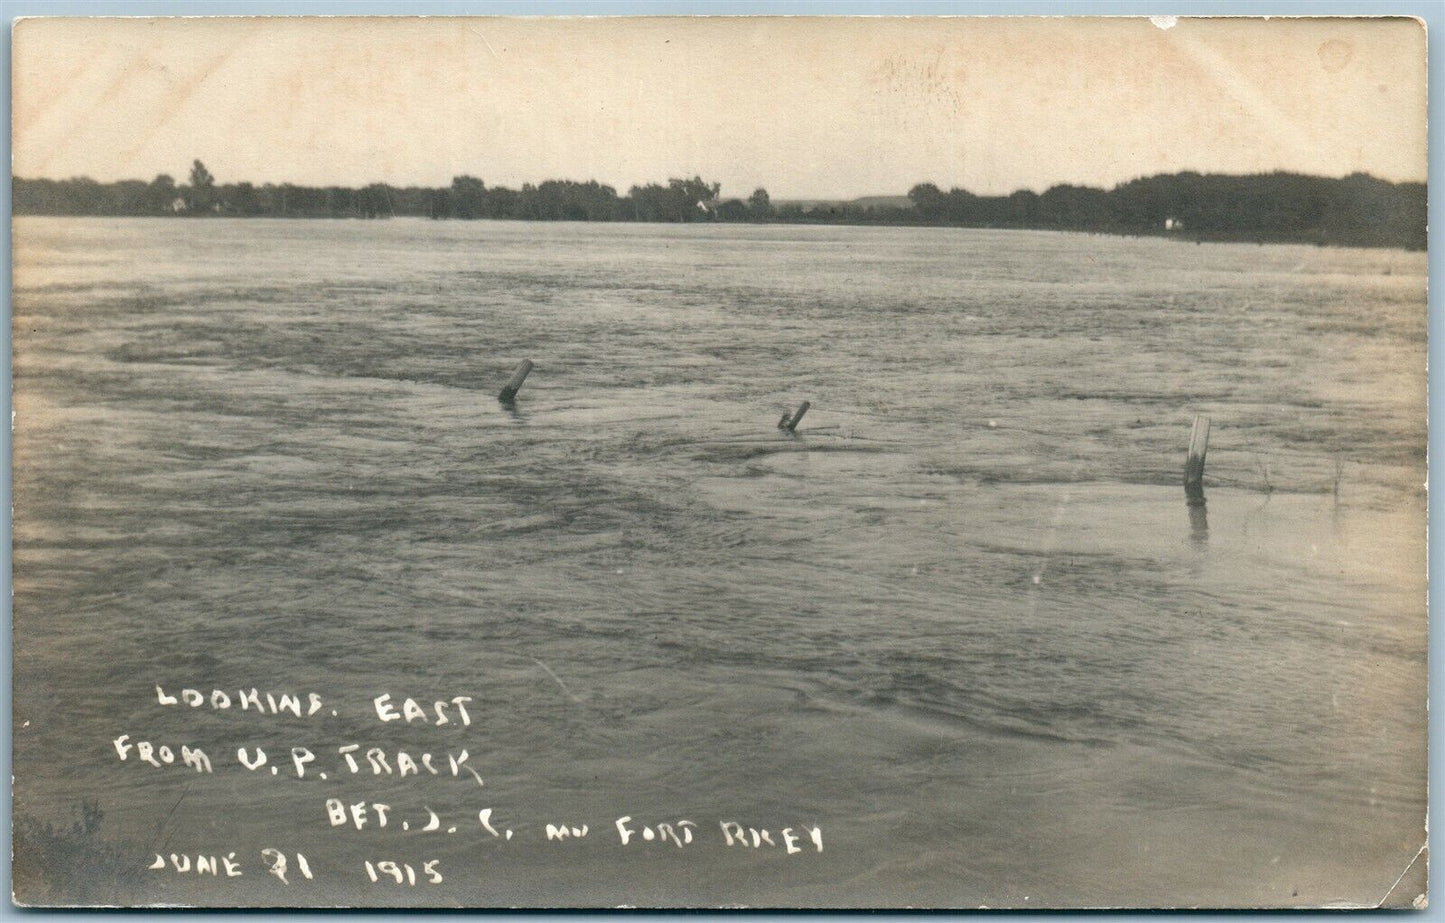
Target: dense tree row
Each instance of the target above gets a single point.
(466, 198)
(1357, 209)
(202, 196)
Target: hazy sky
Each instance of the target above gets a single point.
(805, 107)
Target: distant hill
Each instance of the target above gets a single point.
(867, 201)
(883, 201)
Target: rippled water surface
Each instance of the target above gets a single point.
(963, 622)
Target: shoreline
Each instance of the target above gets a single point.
(1182, 237)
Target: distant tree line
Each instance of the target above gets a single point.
(1356, 210)
(202, 196)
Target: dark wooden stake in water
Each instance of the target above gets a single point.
(509, 393)
(1199, 525)
(1194, 465)
(790, 423)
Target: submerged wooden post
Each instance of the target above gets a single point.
(790, 423)
(509, 393)
(1194, 465)
(1199, 524)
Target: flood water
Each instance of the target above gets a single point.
(963, 622)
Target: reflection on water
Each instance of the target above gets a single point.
(954, 621)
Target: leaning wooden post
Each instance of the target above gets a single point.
(790, 423)
(1194, 465)
(509, 393)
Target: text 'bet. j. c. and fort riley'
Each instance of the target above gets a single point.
(404, 863)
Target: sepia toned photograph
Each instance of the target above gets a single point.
(719, 462)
